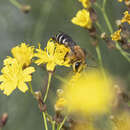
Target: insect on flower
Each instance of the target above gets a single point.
(76, 55)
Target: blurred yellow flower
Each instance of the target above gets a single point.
(121, 121)
(23, 54)
(90, 94)
(54, 54)
(82, 19)
(83, 126)
(13, 76)
(120, 0)
(60, 104)
(60, 93)
(74, 78)
(126, 17)
(116, 35)
(85, 3)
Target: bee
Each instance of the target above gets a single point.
(76, 55)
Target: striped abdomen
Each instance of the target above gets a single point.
(65, 39)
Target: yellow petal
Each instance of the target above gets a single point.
(50, 48)
(8, 88)
(29, 70)
(2, 78)
(85, 3)
(23, 53)
(82, 19)
(9, 60)
(50, 66)
(42, 57)
(23, 87)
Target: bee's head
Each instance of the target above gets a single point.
(78, 66)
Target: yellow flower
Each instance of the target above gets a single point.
(120, 0)
(54, 54)
(23, 54)
(126, 17)
(82, 19)
(116, 35)
(90, 94)
(121, 121)
(60, 93)
(60, 104)
(74, 78)
(13, 76)
(83, 126)
(85, 3)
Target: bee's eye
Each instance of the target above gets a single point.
(77, 64)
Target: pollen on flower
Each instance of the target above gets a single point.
(82, 19)
(14, 76)
(90, 94)
(23, 54)
(126, 17)
(54, 54)
(116, 35)
(85, 3)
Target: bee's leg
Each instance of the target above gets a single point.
(53, 38)
(72, 48)
(65, 56)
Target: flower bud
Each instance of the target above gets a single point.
(3, 120)
(42, 107)
(26, 8)
(38, 95)
(118, 23)
(60, 93)
(103, 36)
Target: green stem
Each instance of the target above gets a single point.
(100, 60)
(104, 3)
(98, 25)
(107, 20)
(30, 89)
(62, 123)
(50, 120)
(53, 125)
(99, 56)
(45, 121)
(15, 3)
(49, 117)
(46, 117)
(48, 86)
(44, 99)
(44, 114)
(123, 53)
(126, 56)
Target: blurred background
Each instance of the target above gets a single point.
(44, 20)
